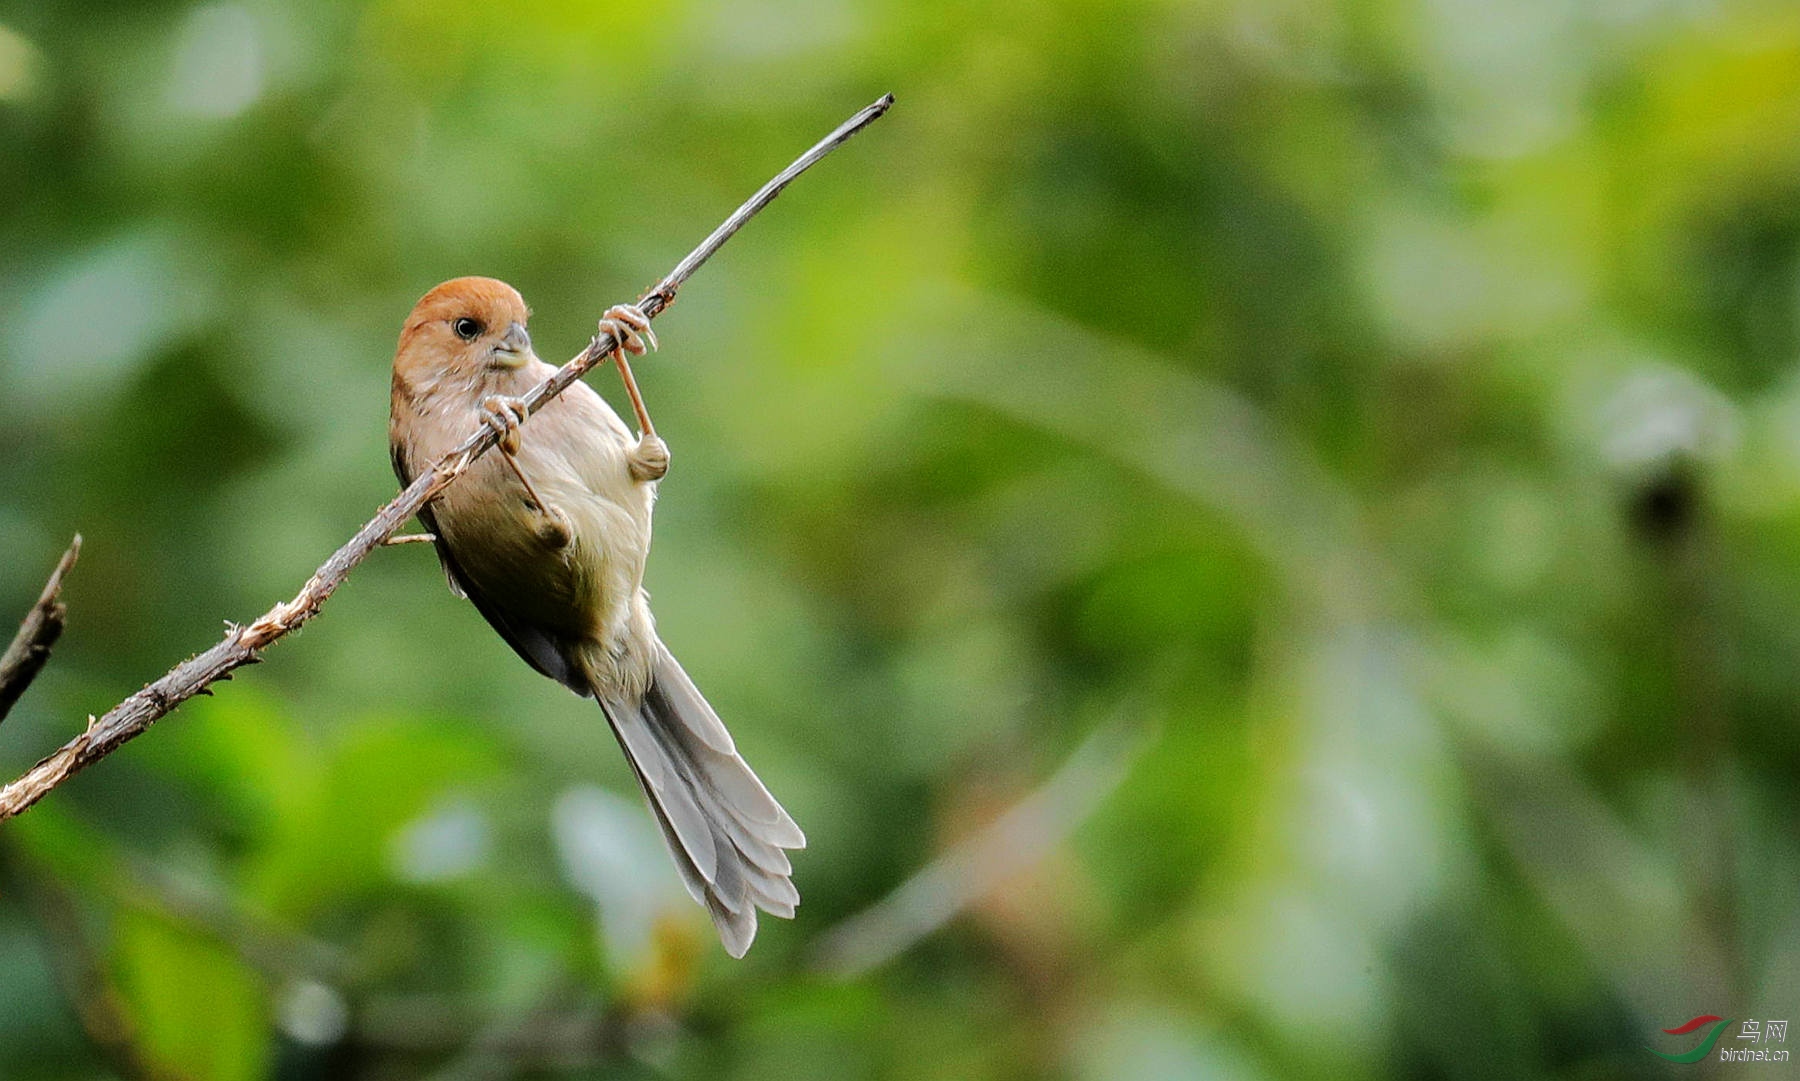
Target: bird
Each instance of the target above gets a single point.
(548, 539)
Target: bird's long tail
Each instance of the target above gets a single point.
(723, 828)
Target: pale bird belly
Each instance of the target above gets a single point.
(587, 591)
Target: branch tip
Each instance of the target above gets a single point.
(38, 631)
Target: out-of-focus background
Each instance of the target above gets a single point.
(1260, 540)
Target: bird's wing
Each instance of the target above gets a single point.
(397, 455)
(540, 649)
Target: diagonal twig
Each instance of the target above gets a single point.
(38, 631)
(974, 867)
(242, 645)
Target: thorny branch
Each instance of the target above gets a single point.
(39, 630)
(243, 645)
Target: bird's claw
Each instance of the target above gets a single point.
(630, 327)
(649, 460)
(504, 415)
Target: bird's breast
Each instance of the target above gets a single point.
(574, 455)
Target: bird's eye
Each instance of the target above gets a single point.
(467, 329)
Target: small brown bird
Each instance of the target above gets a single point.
(547, 536)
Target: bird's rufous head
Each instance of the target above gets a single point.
(469, 327)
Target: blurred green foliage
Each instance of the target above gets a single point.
(1385, 413)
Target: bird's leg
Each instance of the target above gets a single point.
(630, 327)
(504, 415)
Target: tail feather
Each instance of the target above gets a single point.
(771, 890)
(724, 830)
(736, 927)
(775, 908)
(700, 729)
(762, 859)
(671, 793)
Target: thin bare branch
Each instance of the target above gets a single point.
(243, 645)
(974, 867)
(38, 631)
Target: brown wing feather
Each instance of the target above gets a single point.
(541, 649)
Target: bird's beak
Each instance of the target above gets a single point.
(514, 347)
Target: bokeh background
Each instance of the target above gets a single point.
(1260, 539)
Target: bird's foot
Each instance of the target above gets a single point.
(649, 460)
(504, 415)
(630, 327)
(555, 530)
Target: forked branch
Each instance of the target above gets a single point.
(38, 631)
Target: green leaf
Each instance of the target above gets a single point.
(200, 1013)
